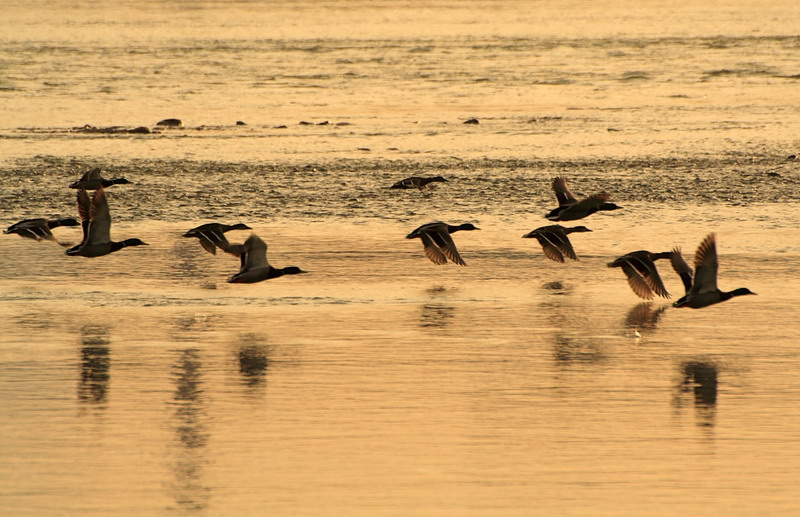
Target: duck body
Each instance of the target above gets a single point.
(418, 182)
(39, 229)
(92, 180)
(554, 241)
(570, 208)
(640, 269)
(212, 236)
(102, 248)
(702, 289)
(437, 242)
(254, 265)
(96, 223)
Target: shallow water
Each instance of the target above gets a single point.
(142, 383)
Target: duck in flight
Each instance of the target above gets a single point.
(212, 235)
(96, 222)
(701, 288)
(554, 241)
(254, 265)
(570, 209)
(92, 180)
(418, 182)
(438, 244)
(39, 229)
(640, 269)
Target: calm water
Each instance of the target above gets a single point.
(141, 383)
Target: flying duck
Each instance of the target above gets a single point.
(702, 291)
(39, 229)
(438, 244)
(555, 242)
(418, 182)
(96, 222)
(91, 180)
(254, 265)
(643, 277)
(570, 209)
(212, 235)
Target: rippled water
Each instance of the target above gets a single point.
(141, 383)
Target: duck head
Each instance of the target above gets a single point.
(609, 206)
(467, 226)
(133, 242)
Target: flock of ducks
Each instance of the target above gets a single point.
(639, 266)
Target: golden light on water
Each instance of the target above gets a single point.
(143, 383)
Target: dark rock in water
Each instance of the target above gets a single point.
(110, 130)
(170, 122)
(792, 157)
(282, 126)
(304, 123)
(240, 123)
(325, 123)
(344, 124)
(472, 121)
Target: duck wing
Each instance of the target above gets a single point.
(445, 242)
(682, 268)
(553, 245)
(432, 250)
(31, 228)
(428, 227)
(99, 218)
(236, 250)
(213, 238)
(92, 175)
(254, 253)
(84, 204)
(38, 231)
(406, 183)
(562, 242)
(563, 194)
(593, 201)
(706, 266)
(88, 180)
(81, 181)
(638, 284)
(647, 268)
(551, 250)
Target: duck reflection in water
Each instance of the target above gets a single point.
(643, 318)
(569, 350)
(699, 378)
(557, 287)
(95, 366)
(191, 434)
(436, 314)
(253, 361)
(574, 342)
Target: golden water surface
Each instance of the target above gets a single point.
(379, 384)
